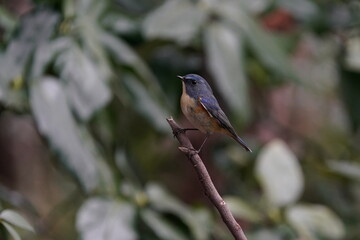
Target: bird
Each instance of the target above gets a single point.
(201, 108)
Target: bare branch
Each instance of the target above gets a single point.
(206, 182)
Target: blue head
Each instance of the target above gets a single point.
(196, 86)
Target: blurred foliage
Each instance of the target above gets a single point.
(99, 79)
(10, 218)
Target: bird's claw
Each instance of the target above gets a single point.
(178, 131)
(182, 130)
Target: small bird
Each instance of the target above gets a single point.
(202, 109)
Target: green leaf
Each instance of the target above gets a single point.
(224, 58)
(163, 201)
(348, 169)
(7, 21)
(12, 231)
(125, 55)
(120, 50)
(123, 163)
(317, 70)
(160, 226)
(349, 80)
(45, 53)
(18, 52)
(106, 182)
(256, 7)
(263, 44)
(17, 200)
(242, 209)
(120, 24)
(90, 9)
(16, 219)
(311, 221)
(106, 219)
(55, 122)
(178, 20)
(265, 234)
(68, 8)
(352, 57)
(90, 31)
(198, 221)
(279, 173)
(146, 104)
(86, 85)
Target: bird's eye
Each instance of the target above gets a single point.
(193, 82)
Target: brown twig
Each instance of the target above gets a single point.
(206, 182)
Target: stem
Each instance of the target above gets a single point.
(206, 182)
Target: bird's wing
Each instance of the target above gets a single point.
(212, 107)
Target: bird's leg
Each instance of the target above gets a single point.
(198, 151)
(182, 130)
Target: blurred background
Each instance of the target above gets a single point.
(86, 87)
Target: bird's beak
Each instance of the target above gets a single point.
(181, 77)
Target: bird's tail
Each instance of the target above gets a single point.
(242, 143)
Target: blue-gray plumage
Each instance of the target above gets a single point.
(202, 109)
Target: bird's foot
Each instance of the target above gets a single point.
(178, 131)
(182, 130)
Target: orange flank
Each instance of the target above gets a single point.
(198, 115)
